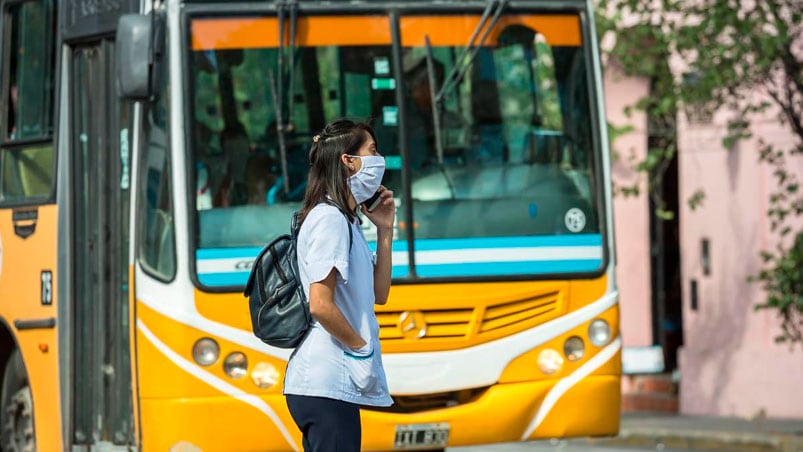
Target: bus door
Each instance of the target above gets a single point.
(101, 378)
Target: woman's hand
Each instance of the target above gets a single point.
(385, 213)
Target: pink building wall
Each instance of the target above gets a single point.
(631, 214)
(730, 365)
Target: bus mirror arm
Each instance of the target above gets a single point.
(140, 50)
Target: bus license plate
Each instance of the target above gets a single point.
(418, 436)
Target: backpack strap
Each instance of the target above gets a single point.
(294, 227)
(348, 222)
(351, 238)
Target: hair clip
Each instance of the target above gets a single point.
(316, 138)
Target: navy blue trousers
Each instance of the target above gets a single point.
(328, 425)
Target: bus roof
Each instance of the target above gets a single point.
(80, 21)
(468, 4)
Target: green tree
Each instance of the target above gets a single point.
(729, 48)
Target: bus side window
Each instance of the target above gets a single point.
(26, 148)
(157, 252)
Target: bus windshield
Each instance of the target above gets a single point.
(500, 150)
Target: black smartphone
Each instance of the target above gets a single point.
(373, 202)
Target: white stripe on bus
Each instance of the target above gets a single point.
(566, 383)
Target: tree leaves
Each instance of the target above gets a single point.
(734, 56)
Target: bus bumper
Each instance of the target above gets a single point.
(503, 413)
(512, 412)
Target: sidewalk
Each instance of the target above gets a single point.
(707, 433)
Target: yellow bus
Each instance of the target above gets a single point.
(149, 149)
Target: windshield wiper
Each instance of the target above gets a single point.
(435, 104)
(279, 129)
(436, 114)
(277, 84)
(293, 4)
(462, 64)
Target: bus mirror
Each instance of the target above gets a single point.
(140, 48)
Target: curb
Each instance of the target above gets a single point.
(710, 440)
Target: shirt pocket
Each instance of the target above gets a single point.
(361, 372)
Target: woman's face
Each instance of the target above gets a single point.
(367, 148)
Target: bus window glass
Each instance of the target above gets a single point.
(246, 187)
(157, 253)
(506, 185)
(27, 172)
(28, 61)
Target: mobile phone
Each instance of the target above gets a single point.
(372, 202)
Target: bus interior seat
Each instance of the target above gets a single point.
(543, 147)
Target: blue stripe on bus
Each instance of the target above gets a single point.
(223, 279)
(509, 268)
(400, 271)
(228, 279)
(398, 245)
(227, 253)
(508, 242)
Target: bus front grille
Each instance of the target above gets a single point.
(430, 324)
(528, 311)
(462, 326)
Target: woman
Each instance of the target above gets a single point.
(338, 365)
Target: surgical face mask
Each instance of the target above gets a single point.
(365, 182)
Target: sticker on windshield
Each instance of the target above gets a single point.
(390, 116)
(575, 220)
(381, 66)
(125, 182)
(393, 162)
(383, 83)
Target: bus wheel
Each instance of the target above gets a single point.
(16, 413)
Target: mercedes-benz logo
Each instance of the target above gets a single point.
(412, 325)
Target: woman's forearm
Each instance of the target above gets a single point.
(336, 324)
(322, 306)
(384, 263)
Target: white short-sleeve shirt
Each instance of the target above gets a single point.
(318, 366)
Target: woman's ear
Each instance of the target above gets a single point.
(348, 161)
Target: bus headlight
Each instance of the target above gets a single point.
(599, 332)
(235, 365)
(574, 348)
(549, 361)
(264, 375)
(205, 351)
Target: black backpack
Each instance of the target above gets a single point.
(280, 314)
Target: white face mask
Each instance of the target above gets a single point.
(365, 182)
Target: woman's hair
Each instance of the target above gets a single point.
(327, 174)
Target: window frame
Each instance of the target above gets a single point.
(11, 145)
